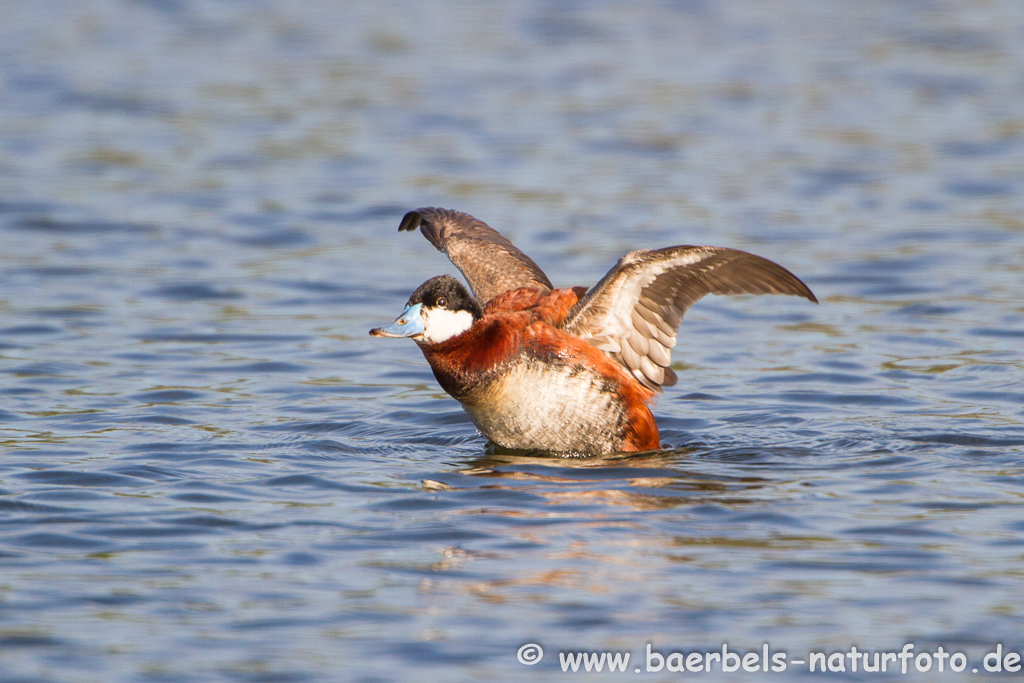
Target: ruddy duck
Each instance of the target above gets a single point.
(566, 370)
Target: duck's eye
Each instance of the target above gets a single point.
(442, 302)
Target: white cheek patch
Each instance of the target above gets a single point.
(440, 324)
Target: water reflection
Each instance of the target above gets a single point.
(644, 481)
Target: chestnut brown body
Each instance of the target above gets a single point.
(527, 384)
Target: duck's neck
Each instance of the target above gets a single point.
(465, 362)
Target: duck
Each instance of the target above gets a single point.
(566, 370)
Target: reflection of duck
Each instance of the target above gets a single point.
(568, 370)
(654, 480)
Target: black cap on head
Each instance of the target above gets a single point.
(444, 291)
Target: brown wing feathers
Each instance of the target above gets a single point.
(490, 263)
(634, 312)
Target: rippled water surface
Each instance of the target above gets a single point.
(210, 471)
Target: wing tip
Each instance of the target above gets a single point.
(809, 295)
(411, 221)
(801, 288)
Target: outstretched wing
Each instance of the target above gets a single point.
(490, 262)
(633, 313)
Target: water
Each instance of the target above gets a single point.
(210, 472)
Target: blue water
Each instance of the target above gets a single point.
(210, 472)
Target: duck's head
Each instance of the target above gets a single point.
(439, 309)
